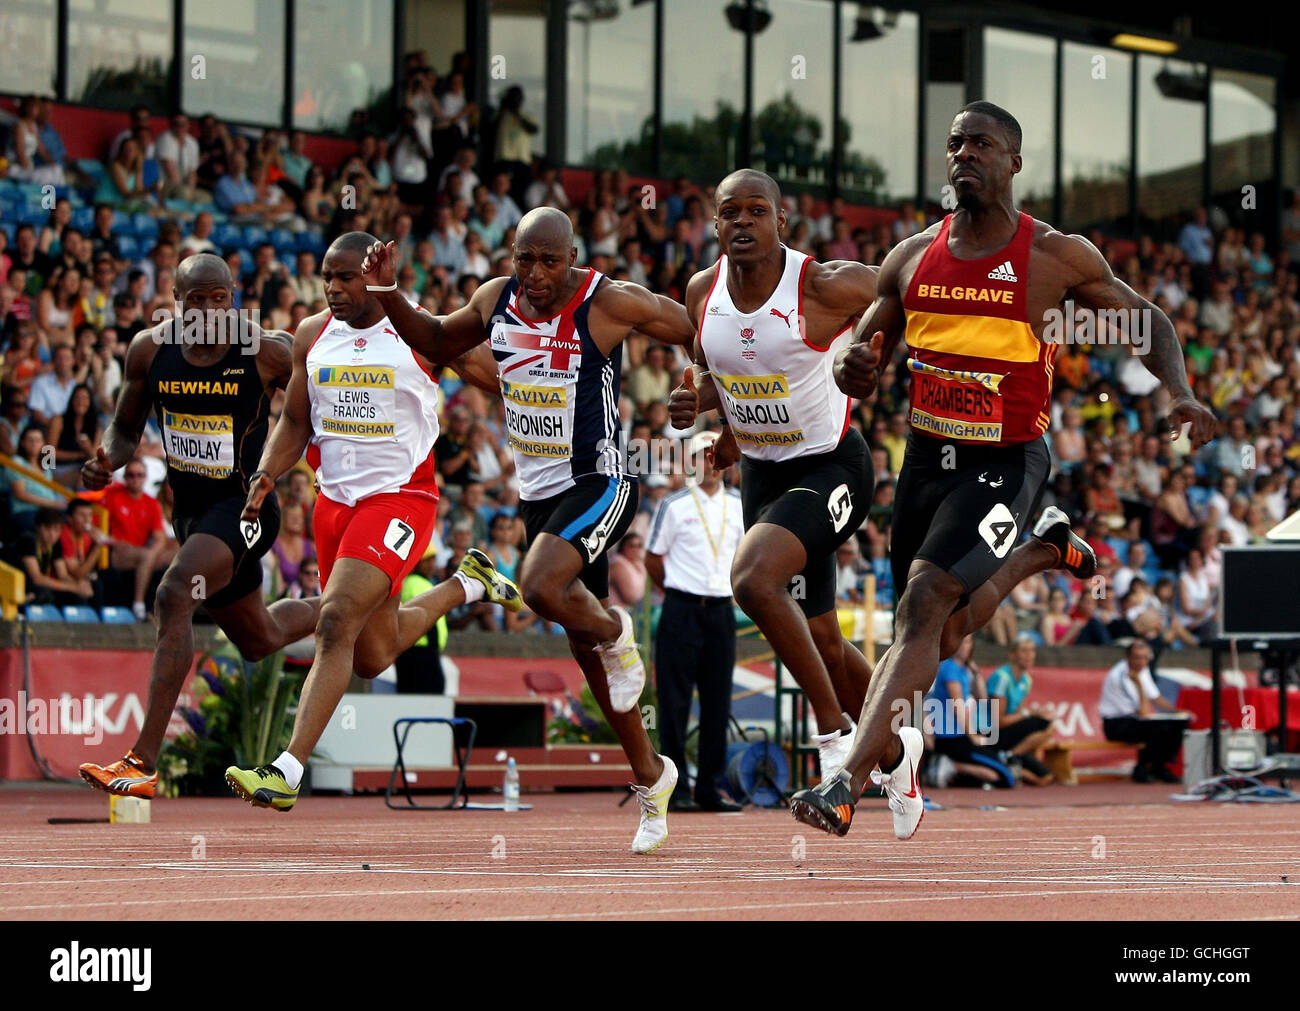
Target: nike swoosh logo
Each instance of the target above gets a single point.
(912, 793)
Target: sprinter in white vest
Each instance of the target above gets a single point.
(364, 406)
(767, 317)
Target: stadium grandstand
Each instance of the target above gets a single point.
(136, 134)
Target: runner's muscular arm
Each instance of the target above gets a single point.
(293, 430)
(478, 367)
(129, 417)
(275, 358)
(440, 339)
(843, 287)
(631, 307)
(693, 398)
(1091, 284)
(858, 367)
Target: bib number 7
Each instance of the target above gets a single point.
(398, 538)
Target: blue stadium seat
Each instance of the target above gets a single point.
(1034, 635)
(9, 228)
(145, 225)
(116, 615)
(120, 221)
(83, 218)
(226, 236)
(1151, 575)
(290, 261)
(43, 612)
(33, 214)
(92, 167)
(1120, 547)
(80, 614)
(129, 248)
(253, 235)
(283, 240)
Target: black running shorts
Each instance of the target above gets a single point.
(964, 506)
(821, 499)
(593, 516)
(248, 542)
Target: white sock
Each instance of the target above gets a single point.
(474, 590)
(827, 738)
(290, 768)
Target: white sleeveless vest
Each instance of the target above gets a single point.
(777, 389)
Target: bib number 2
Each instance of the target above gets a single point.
(398, 538)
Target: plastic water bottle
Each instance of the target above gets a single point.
(510, 790)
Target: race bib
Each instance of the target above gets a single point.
(202, 444)
(398, 538)
(357, 401)
(956, 405)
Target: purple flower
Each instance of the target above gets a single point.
(196, 721)
(215, 684)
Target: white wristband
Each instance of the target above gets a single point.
(382, 287)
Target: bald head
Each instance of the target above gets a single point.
(545, 227)
(748, 180)
(202, 269)
(353, 242)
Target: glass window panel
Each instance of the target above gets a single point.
(793, 81)
(704, 97)
(28, 56)
(1243, 124)
(120, 53)
(1171, 142)
(344, 63)
(1020, 76)
(1096, 101)
(242, 45)
(942, 100)
(611, 85)
(878, 97)
(517, 56)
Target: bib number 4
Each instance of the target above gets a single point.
(999, 529)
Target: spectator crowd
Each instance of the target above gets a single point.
(76, 286)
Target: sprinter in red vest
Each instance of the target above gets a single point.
(973, 297)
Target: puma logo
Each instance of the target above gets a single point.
(784, 315)
(984, 478)
(391, 331)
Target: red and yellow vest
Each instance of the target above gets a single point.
(979, 373)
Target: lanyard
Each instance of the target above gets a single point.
(722, 530)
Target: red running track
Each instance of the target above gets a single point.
(1095, 851)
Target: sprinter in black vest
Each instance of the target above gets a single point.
(209, 376)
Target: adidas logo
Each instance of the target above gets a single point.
(1003, 273)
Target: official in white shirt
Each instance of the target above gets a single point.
(693, 538)
(1128, 709)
